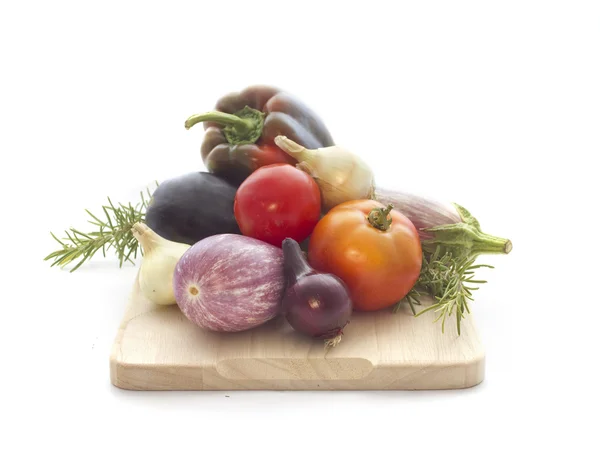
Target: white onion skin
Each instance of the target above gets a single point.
(230, 283)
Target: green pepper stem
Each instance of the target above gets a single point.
(222, 118)
(242, 127)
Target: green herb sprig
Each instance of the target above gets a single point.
(113, 230)
(449, 280)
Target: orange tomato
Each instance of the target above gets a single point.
(376, 251)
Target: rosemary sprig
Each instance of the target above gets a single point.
(449, 279)
(112, 230)
(413, 298)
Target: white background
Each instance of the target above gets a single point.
(495, 105)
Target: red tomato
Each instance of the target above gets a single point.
(277, 202)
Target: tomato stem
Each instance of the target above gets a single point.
(380, 217)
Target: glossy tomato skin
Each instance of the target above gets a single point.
(276, 202)
(379, 267)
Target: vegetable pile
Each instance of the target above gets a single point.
(226, 245)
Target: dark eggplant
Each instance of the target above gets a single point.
(191, 207)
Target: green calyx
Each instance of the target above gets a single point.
(243, 127)
(465, 239)
(380, 218)
(448, 268)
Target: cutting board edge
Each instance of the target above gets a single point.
(464, 371)
(153, 377)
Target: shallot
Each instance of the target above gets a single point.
(315, 304)
(158, 264)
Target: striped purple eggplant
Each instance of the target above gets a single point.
(230, 283)
(447, 225)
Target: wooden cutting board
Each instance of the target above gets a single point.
(158, 348)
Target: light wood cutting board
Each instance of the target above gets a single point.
(158, 348)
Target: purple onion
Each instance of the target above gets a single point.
(315, 304)
(230, 283)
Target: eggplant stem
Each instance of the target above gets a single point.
(467, 237)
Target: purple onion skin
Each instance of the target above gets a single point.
(316, 304)
(230, 283)
(422, 212)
